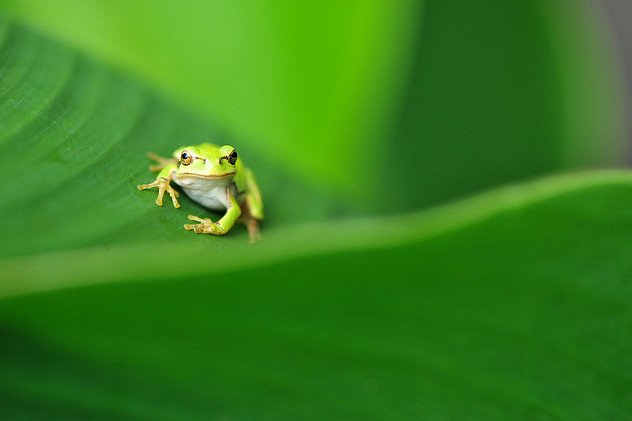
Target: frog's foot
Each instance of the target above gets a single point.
(162, 162)
(250, 221)
(163, 186)
(205, 226)
(253, 230)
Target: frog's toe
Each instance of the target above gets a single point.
(147, 186)
(174, 199)
(171, 192)
(200, 220)
(161, 193)
(196, 228)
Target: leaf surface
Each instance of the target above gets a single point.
(510, 303)
(74, 141)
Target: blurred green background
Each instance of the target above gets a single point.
(394, 279)
(335, 92)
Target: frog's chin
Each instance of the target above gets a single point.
(184, 175)
(201, 181)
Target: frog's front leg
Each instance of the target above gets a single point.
(163, 183)
(206, 226)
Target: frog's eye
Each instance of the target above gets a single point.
(186, 158)
(232, 157)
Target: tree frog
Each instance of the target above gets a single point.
(215, 177)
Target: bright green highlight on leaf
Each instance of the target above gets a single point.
(310, 74)
(107, 264)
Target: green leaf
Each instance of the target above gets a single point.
(74, 140)
(512, 303)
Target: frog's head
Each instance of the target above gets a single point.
(206, 161)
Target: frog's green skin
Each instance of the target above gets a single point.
(215, 177)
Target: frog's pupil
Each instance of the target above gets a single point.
(185, 155)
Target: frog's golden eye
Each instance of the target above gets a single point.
(232, 157)
(186, 158)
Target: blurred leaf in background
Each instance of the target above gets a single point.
(502, 91)
(511, 302)
(299, 80)
(362, 97)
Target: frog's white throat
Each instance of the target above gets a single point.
(209, 192)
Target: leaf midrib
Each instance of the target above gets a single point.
(141, 261)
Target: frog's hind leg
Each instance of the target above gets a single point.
(251, 206)
(250, 221)
(253, 229)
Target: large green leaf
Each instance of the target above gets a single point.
(75, 138)
(511, 304)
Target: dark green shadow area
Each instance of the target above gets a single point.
(49, 382)
(497, 95)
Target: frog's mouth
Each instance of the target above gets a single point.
(205, 177)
